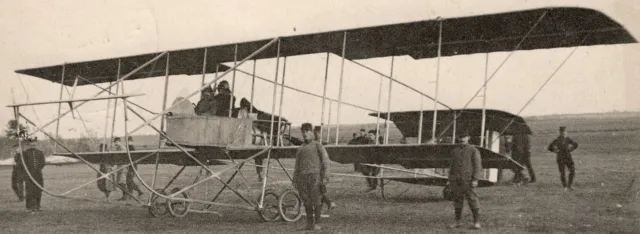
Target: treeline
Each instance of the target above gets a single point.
(8, 146)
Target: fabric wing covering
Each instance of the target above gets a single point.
(556, 28)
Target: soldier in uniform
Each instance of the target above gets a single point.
(325, 198)
(371, 171)
(521, 151)
(129, 178)
(563, 146)
(106, 185)
(17, 177)
(310, 174)
(464, 174)
(33, 162)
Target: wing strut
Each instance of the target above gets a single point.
(545, 83)
(499, 67)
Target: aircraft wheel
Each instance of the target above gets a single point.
(269, 211)
(290, 206)
(158, 206)
(178, 208)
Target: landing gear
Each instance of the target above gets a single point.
(178, 208)
(158, 206)
(269, 210)
(290, 206)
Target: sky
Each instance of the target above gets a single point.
(45, 33)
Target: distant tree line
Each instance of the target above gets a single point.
(14, 131)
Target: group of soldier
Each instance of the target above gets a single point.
(113, 182)
(216, 104)
(311, 172)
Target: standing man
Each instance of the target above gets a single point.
(18, 176)
(522, 148)
(310, 174)
(129, 178)
(370, 171)
(325, 198)
(563, 146)
(33, 162)
(465, 171)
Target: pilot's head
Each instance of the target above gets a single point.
(116, 140)
(223, 85)
(307, 132)
(208, 91)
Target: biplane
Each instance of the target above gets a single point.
(236, 140)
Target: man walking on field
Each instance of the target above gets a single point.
(465, 171)
(310, 174)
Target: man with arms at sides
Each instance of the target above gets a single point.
(105, 185)
(522, 148)
(563, 146)
(465, 171)
(310, 174)
(129, 178)
(325, 198)
(34, 162)
(371, 171)
(18, 176)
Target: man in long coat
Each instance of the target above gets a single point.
(464, 174)
(33, 162)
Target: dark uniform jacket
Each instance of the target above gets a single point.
(565, 146)
(466, 164)
(520, 147)
(34, 159)
(222, 100)
(206, 106)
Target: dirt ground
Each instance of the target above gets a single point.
(606, 200)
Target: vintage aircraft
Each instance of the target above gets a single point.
(215, 140)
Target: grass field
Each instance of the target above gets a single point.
(606, 199)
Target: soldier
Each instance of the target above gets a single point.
(563, 146)
(325, 198)
(18, 176)
(371, 171)
(521, 150)
(105, 185)
(465, 171)
(33, 162)
(129, 178)
(310, 174)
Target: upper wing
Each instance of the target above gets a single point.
(407, 155)
(165, 156)
(559, 27)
